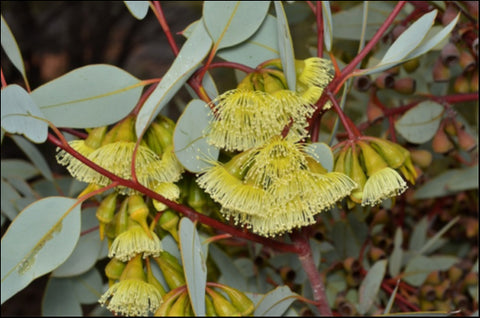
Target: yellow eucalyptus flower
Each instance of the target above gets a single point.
(384, 183)
(132, 295)
(135, 241)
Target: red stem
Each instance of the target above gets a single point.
(163, 23)
(185, 210)
(318, 13)
(300, 239)
(351, 129)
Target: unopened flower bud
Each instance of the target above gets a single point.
(426, 305)
(344, 307)
(151, 279)
(209, 308)
(406, 85)
(114, 269)
(106, 211)
(441, 143)
(465, 140)
(169, 222)
(441, 73)
(179, 306)
(95, 137)
(222, 306)
(411, 65)
(171, 269)
(138, 211)
(450, 13)
(351, 265)
(168, 300)
(454, 273)
(461, 84)
(434, 278)
(443, 289)
(381, 217)
(239, 300)
(422, 158)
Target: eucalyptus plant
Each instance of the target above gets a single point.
(343, 182)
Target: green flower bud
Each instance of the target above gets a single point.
(114, 270)
(222, 306)
(106, 211)
(169, 222)
(239, 300)
(138, 211)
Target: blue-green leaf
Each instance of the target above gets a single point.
(18, 168)
(190, 145)
(194, 265)
(21, 115)
(327, 25)
(276, 302)
(232, 22)
(449, 182)
(89, 96)
(285, 45)
(9, 199)
(395, 261)
(370, 286)
(138, 9)
(260, 47)
(419, 124)
(231, 274)
(88, 286)
(418, 268)
(53, 227)
(85, 254)
(10, 46)
(60, 299)
(35, 156)
(322, 153)
(189, 58)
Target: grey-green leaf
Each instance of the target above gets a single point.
(189, 142)
(419, 124)
(138, 9)
(60, 299)
(322, 153)
(53, 227)
(370, 286)
(418, 268)
(88, 286)
(194, 265)
(260, 47)
(449, 182)
(35, 156)
(327, 25)
(10, 46)
(189, 58)
(395, 261)
(285, 46)
(89, 96)
(232, 22)
(21, 115)
(276, 302)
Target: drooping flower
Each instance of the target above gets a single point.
(132, 295)
(274, 188)
(135, 241)
(375, 165)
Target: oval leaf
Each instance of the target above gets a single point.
(418, 268)
(59, 299)
(53, 227)
(89, 96)
(35, 156)
(370, 286)
(260, 47)
(194, 265)
(88, 287)
(85, 254)
(276, 302)
(21, 115)
(10, 46)
(187, 61)
(230, 23)
(322, 153)
(286, 46)
(395, 261)
(138, 9)
(409, 39)
(419, 124)
(449, 182)
(189, 142)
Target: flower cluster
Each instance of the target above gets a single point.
(272, 186)
(262, 106)
(375, 165)
(130, 229)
